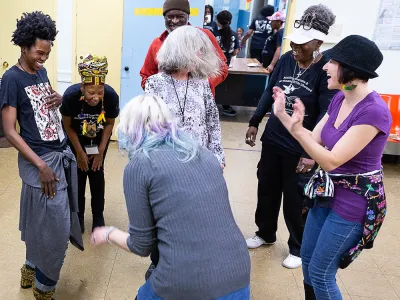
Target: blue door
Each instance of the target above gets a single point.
(233, 6)
(142, 24)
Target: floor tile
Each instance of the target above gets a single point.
(274, 291)
(266, 271)
(395, 283)
(128, 292)
(127, 274)
(89, 270)
(80, 290)
(368, 284)
(389, 265)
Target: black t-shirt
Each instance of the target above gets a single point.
(80, 111)
(212, 26)
(39, 126)
(311, 88)
(262, 30)
(273, 42)
(233, 45)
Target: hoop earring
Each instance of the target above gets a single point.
(316, 53)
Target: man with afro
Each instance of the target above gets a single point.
(47, 167)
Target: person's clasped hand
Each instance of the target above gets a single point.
(53, 100)
(48, 181)
(305, 165)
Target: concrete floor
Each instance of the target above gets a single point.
(112, 274)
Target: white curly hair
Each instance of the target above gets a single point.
(188, 48)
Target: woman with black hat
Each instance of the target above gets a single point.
(284, 163)
(347, 210)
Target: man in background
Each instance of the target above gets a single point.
(261, 30)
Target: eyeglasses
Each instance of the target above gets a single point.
(173, 17)
(307, 22)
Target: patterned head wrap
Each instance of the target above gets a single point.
(93, 70)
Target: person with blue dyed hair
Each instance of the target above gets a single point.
(177, 201)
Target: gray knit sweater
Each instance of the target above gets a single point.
(184, 208)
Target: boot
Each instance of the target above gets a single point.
(27, 277)
(309, 292)
(81, 217)
(40, 295)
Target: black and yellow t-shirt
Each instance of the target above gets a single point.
(80, 112)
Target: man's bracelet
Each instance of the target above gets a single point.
(109, 230)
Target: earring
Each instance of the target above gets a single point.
(316, 53)
(82, 98)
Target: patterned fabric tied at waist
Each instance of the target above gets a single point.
(64, 165)
(369, 185)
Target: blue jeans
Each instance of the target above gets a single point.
(326, 238)
(42, 282)
(146, 293)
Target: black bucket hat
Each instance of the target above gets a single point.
(358, 54)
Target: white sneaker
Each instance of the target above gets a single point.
(255, 242)
(292, 262)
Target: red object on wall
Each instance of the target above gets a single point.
(393, 102)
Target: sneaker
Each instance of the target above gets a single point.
(229, 112)
(256, 241)
(292, 262)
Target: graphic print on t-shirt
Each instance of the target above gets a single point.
(262, 26)
(232, 44)
(93, 129)
(47, 121)
(289, 86)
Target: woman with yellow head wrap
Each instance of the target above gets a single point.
(89, 110)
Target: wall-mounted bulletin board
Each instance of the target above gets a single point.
(387, 30)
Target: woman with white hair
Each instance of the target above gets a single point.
(186, 60)
(177, 200)
(284, 166)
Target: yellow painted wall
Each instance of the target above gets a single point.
(290, 18)
(98, 30)
(10, 12)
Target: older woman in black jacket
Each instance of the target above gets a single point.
(299, 74)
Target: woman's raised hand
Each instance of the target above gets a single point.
(280, 101)
(293, 123)
(298, 115)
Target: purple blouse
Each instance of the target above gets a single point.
(370, 111)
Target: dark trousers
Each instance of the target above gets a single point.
(155, 256)
(276, 176)
(256, 53)
(97, 188)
